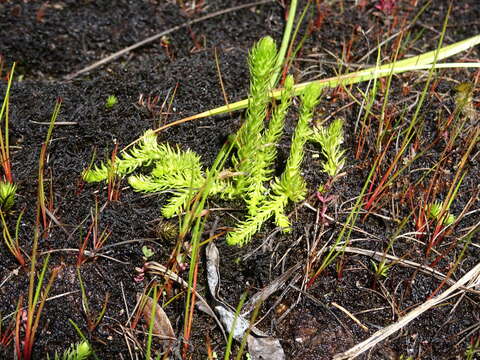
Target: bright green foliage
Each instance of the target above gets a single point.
(330, 139)
(81, 351)
(147, 252)
(111, 101)
(248, 227)
(7, 195)
(175, 170)
(291, 185)
(264, 157)
(435, 210)
(180, 172)
(249, 137)
(277, 122)
(381, 269)
(292, 181)
(144, 154)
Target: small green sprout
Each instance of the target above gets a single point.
(7, 195)
(464, 99)
(449, 220)
(111, 101)
(330, 139)
(147, 252)
(381, 269)
(435, 210)
(81, 351)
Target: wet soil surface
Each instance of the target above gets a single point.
(50, 40)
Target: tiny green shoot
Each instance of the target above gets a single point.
(111, 101)
(472, 349)
(381, 269)
(435, 211)
(7, 195)
(147, 252)
(80, 351)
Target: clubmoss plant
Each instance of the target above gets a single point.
(180, 172)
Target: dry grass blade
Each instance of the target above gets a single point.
(470, 279)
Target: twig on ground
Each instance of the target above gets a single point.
(350, 315)
(159, 35)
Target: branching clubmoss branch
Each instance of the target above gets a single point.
(146, 152)
(291, 185)
(267, 151)
(248, 139)
(292, 182)
(330, 139)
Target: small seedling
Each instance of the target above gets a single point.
(42, 200)
(29, 318)
(147, 252)
(472, 349)
(7, 195)
(464, 99)
(80, 351)
(4, 138)
(111, 101)
(92, 319)
(6, 334)
(435, 211)
(381, 270)
(166, 230)
(98, 238)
